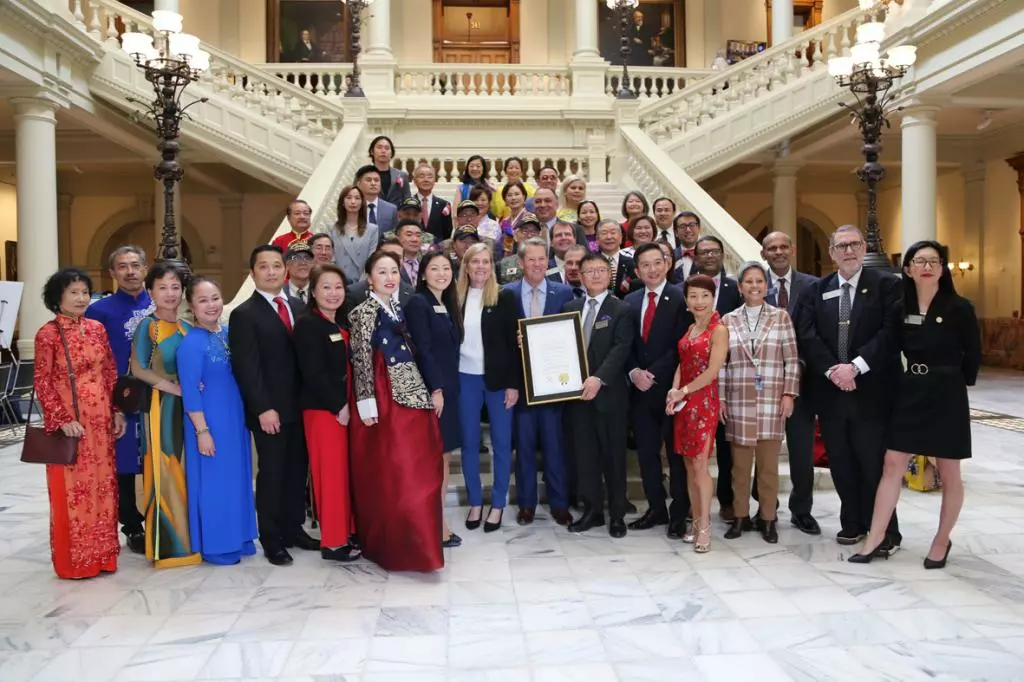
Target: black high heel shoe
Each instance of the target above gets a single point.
(876, 553)
(931, 563)
(491, 527)
(474, 524)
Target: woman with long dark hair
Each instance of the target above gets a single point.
(474, 174)
(588, 215)
(354, 239)
(941, 345)
(436, 327)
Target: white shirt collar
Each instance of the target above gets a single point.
(599, 298)
(660, 290)
(384, 305)
(788, 277)
(271, 296)
(853, 281)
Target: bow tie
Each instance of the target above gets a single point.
(687, 253)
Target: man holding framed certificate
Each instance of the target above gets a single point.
(551, 376)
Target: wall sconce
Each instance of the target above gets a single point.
(963, 267)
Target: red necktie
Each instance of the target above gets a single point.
(783, 295)
(687, 253)
(282, 312)
(645, 330)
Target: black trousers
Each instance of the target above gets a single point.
(800, 441)
(127, 505)
(723, 454)
(653, 428)
(599, 440)
(855, 441)
(280, 484)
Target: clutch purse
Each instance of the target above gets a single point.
(132, 394)
(41, 446)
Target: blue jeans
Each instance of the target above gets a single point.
(473, 395)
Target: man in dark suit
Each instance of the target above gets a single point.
(660, 319)
(539, 296)
(306, 50)
(687, 228)
(381, 213)
(784, 291)
(609, 242)
(710, 255)
(263, 361)
(360, 291)
(394, 183)
(435, 212)
(847, 330)
(597, 421)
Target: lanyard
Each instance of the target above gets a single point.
(752, 332)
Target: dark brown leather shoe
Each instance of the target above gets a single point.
(562, 517)
(525, 516)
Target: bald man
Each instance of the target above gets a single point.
(784, 291)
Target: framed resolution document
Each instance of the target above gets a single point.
(554, 358)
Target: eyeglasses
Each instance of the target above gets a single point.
(594, 272)
(933, 263)
(709, 252)
(848, 246)
(688, 226)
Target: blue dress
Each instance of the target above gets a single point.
(222, 513)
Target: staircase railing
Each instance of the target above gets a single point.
(650, 84)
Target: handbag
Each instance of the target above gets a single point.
(131, 394)
(41, 446)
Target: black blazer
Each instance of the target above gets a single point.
(439, 224)
(264, 361)
(625, 276)
(435, 337)
(729, 298)
(874, 324)
(499, 328)
(611, 343)
(660, 355)
(323, 364)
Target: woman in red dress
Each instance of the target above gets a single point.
(396, 454)
(83, 495)
(693, 400)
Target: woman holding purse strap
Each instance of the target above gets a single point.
(74, 380)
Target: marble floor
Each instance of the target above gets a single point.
(539, 604)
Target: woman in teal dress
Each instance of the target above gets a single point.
(154, 350)
(218, 458)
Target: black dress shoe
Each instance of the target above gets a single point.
(452, 541)
(650, 519)
(345, 554)
(617, 528)
(849, 537)
(770, 532)
(278, 557)
(737, 528)
(589, 520)
(868, 557)
(303, 540)
(631, 508)
(136, 541)
(474, 524)
(525, 516)
(931, 564)
(676, 529)
(805, 523)
(491, 527)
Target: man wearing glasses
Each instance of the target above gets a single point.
(847, 326)
(686, 225)
(598, 422)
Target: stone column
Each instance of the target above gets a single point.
(35, 125)
(64, 230)
(782, 21)
(377, 61)
(784, 204)
(587, 67)
(586, 31)
(975, 217)
(1016, 163)
(918, 174)
(231, 244)
(379, 15)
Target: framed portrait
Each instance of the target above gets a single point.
(656, 29)
(307, 31)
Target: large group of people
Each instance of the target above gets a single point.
(371, 351)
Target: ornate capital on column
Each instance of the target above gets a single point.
(35, 108)
(920, 115)
(785, 169)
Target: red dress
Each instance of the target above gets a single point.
(695, 425)
(83, 496)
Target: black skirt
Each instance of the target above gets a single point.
(932, 416)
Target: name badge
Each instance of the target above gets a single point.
(440, 309)
(830, 294)
(335, 337)
(916, 320)
(601, 325)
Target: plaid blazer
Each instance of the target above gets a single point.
(752, 415)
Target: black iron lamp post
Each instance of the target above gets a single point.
(171, 60)
(355, 8)
(624, 8)
(870, 78)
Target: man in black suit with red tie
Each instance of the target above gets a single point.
(264, 363)
(660, 319)
(435, 212)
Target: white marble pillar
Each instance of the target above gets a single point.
(782, 21)
(784, 212)
(918, 174)
(35, 126)
(378, 16)
(586, 31)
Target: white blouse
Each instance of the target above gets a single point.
(471, 353)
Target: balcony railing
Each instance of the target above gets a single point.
(652, 82)
(482, 80)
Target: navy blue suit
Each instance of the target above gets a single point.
(541, 423)
(436, 340)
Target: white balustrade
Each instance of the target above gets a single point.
(653, 82)
(323, 80)
(482, 80)
(449, 167)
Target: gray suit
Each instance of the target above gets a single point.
(399, 187)
(351, 253)
(386, 214)
(800, 426)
